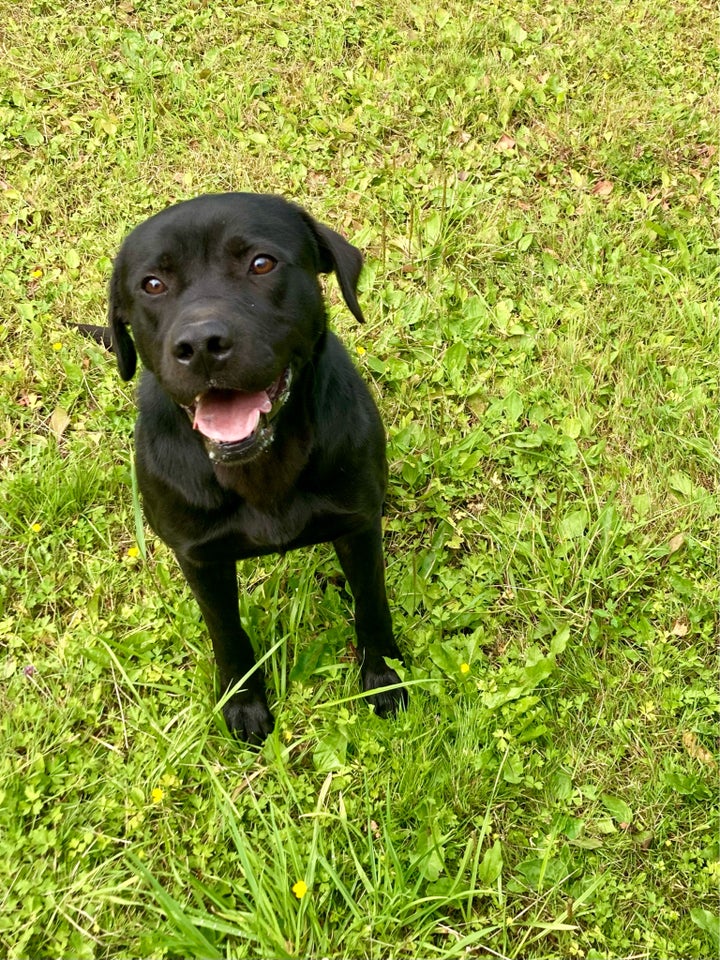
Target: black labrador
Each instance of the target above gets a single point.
(255, 433)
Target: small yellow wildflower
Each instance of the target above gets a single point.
(133, 552)
(36, 274)
(57, 346)
(36, 527)
(157, 795)
(361, 351)
(300, 889)
(464, 668)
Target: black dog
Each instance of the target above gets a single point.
(256, 435)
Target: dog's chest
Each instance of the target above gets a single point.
(267, 530)
(249, 532)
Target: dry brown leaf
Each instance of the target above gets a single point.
(603, 188)
(676, 542)
(697, 751)
(706, 152)
(29, 400)
(59, 420)
(505, 143)
(680, 628)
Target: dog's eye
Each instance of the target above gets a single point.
(263, 264)
(153, 286)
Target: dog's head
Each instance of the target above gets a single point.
(219, 296)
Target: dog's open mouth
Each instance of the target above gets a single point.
(237, 426)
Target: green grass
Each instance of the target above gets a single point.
(534, 187)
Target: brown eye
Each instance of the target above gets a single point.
(153, 286)
(263, 264)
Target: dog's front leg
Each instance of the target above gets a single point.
(215, 588)
(361, 558)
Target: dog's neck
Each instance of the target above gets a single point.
(268, 481)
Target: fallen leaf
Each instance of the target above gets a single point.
(29, 400)
(603, 188)
(680, 628)
(697, 751)
(59, 421)
(706, 152)
(677, 541)
(505, 143)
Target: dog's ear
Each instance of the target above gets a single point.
(345, 259)
(122, 343)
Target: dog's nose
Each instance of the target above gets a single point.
(203, 341)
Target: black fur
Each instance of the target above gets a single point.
(322, 478)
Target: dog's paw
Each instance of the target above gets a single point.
(248, 717)
(386, 702)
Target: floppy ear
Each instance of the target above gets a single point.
(122, 344)
(345, 259)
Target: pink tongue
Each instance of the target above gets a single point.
(229, 415)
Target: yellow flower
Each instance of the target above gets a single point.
(36, 527)
(464, 668)
(36, 273)
(133, 552)
(57, 346)
(361, 351)
(300, 889)
(157, 795)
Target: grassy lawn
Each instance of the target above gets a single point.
(534, 188)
